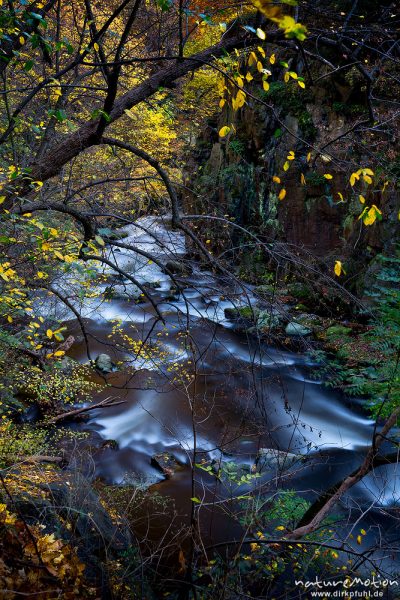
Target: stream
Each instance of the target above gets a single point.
(246, 395)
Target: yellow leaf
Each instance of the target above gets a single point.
(353, 178)
(276, 179)
(240, 98)
(240, 81)
(96, 46)
(291, 155)
(265, 86)
(261, 51)
(272, 59)
(328, 176)
(49, 333)
(359, 540)
(59, 353)
(261, 34)
(363, 532)
(40, 274)
(282, 194)
(280, 528)
(302, 179)
(222, 103)
(2, 198)
(338, 268)
(252, 59)
(9, 319)
(249, 77)
(259, 66)
(362, 199)
(286, 77)
(21, 40)
(309, 157)
(223, 132)
(367, 179)
(286, 165)
(301, 84)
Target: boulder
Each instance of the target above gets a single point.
(276, 459)
(125, 291)
(178, 268)
(242, 313)
(266, 289)
(293, 328)
(166, 463)
(104, 363)
(268, 319)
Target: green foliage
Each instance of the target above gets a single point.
(367, 365)
(349, 110)
(237, 147)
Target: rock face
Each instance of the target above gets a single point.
(104, 363)
(236, 175)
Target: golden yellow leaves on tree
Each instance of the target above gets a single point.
(261, 34)
(341, 197)
(361, 198)
(224, 131)
(6, 272)
(239, 101)
(302, 179)
(301, 84)
(276, 179)
(249, 77)
(291, 155)
(259, 66)
(266, 85)
(252, 60)
(286, 166)
(274, 13)
(282, 194)
(96, 46)
(239, 81)
(366, 174)
(261, 51)
(338, 268)
(272, 59)
(370, 214)
(328, 176)
(222, 103)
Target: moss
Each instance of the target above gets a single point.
(349, 110)
(290, 98)
(337, 330)
(307, 126)
(315, 179)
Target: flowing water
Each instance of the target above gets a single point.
(219, 391)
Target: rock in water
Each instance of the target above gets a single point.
(178, 268)
(293, 328)
(104, 363)
(166, 463)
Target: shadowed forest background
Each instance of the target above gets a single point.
(199, 299)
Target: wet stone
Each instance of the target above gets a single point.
(166, 463)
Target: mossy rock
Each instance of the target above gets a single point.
(337, 331)
(241, 313)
